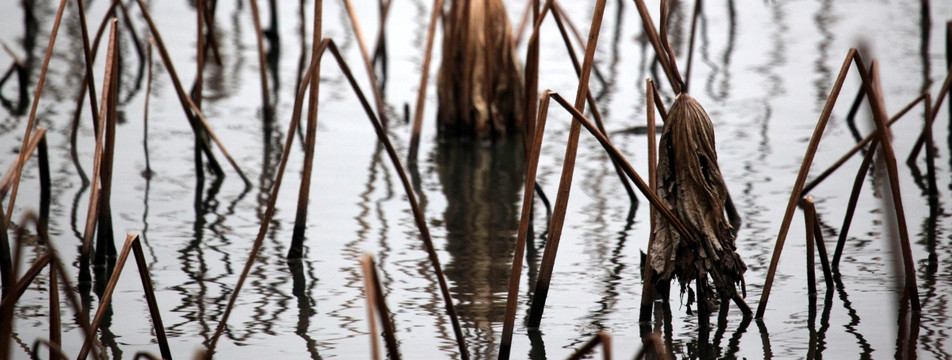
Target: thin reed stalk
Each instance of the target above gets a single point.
(418, 215)
(931, 114)
(568, 168)
(145, 111)
(56, 328)
(272, 200)
(368, 64)
(801, 179)
(262, 60)
(652, 34)
(370, 292)
(424, 81)
(296, 250)
(821, 248)
(596, 114)
(31, 119)
(106, 298)
(518, 255)
(56, 352)
(875, 96)
(199, 84)
(6, 258)
(389, 333)
(196, 118)
(7, 180)
(603, 339)
(46, 191)
(809, 217)
(851, 203)
(687, 74)
(88, 78)
(149, 293)
(105, 244)
(89, 57)
(649, 274)
(92, 213)
(861, 144)
(22, 284)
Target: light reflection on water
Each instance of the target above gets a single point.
(762, 70)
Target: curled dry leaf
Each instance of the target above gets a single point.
(690, 183)
(479, 84)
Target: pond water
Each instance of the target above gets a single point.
(763, 70)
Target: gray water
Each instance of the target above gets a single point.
(763, 71)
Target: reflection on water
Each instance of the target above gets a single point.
(482, 183)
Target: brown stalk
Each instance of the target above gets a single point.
(149, 293)
(801, 179)
(596, 114)
(874, 94)
(419, 218)
(89, 57)
(856, 148)
(809, 215)
(22, 285)
(851, 204)
(562, 15)
(30, 147)
(424, 76)
(92, 213)
(380, 53)
(647, 281)
(31, 120)
(195, 117)
(199, 84)
(88, 78)
(821, 248)
(366, 266)
(687, 74)
(6, 306)
(105, 244)
(532, 78)
(296, 250)
(374, 85)
(603, 339)
(262, 61)
(656, 42)
(389, 333)
(56, 352)
(6, 258)
(931, 114)
(210, 42)
(568, 168)
(408, 189)
(524, 19)
(56, 331)
(515, 275)
(145, 111)
(81, 319)
(106, 298)
(269, 211)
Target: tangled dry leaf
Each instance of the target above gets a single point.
(690, 182)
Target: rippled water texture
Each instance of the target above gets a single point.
(763, 70)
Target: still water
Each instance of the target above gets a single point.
(763, 71)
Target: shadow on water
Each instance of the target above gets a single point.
(482, 183)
